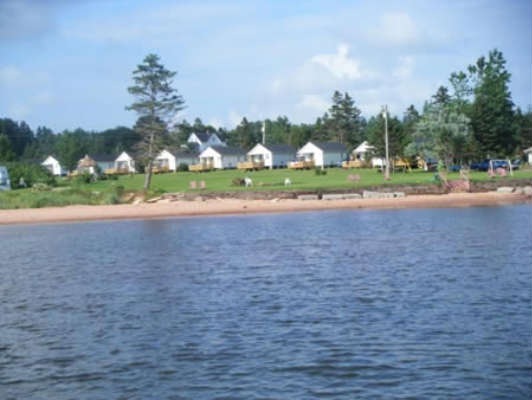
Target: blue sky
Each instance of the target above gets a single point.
(68, 63)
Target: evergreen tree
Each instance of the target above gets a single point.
(158, 102)
(6, 152)
(492, 112)
(397, 139)
(442, 96)
(345, 121)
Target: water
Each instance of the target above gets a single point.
(411, 304)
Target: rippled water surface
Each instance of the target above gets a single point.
(413, 304)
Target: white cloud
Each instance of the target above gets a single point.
(396, 29)
(339, 64)
(404, 68)
(314, 102)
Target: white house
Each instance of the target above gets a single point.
(528, 152)
(124, 162)
(204, 140)
(221, 157)
(172, 159)
(272, 155)
(323, 153)
(102, 161)
(52, 164)
(363, 152)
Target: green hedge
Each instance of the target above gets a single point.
(31, 173)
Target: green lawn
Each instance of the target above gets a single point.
(110, 191)
(336, 178)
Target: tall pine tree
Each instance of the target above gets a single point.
(492, 112)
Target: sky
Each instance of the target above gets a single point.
(68, 63)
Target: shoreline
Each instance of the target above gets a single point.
(176, 209)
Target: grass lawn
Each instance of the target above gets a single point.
(110, 191)
(336, 178)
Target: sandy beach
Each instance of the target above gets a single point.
(238, 206)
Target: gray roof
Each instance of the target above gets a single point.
(529, 150)
(229, 151)
(331, 146)
(102, 157)
(281, 148)
(184, 154)
(203, 136)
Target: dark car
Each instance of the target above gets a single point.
(487, 164)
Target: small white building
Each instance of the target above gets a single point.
(124, 162)
(363, 153)
(172, 159)
(528, 152)
(90, 163)
(52, 164)
(204, 140)
(221, 157)
(272, 155)
(104, 161)
(323, 153)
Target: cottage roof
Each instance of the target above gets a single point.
(203, 136)
(363, 147)
(103, 157)
(228, 151)
(280, 148)
(184, 154)
(330, 146)
(86, 162)
(529, 150)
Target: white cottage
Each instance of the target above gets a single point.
(272, 155)
(90, 162)
(363, 151)
(528, 153)
(52, 164)
(125, 163)
(204, 140)
(172, 159)
(104, 161)
(323, 153)
(221, 157)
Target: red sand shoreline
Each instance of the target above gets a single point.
(81, 213)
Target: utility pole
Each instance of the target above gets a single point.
(263, 132)
(385, 116)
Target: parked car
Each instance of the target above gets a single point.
(454, 168)
(487, 164)
(516, 163)
(5, 183)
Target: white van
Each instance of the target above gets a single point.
(5, 184)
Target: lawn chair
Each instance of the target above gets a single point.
(193, 185)
(202, 185)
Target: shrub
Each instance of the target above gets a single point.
(40, 187)
(183, 167)
(238, 182)
(30, 174)
(85, 177)
(319, 171)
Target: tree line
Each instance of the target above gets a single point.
(470, 119)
